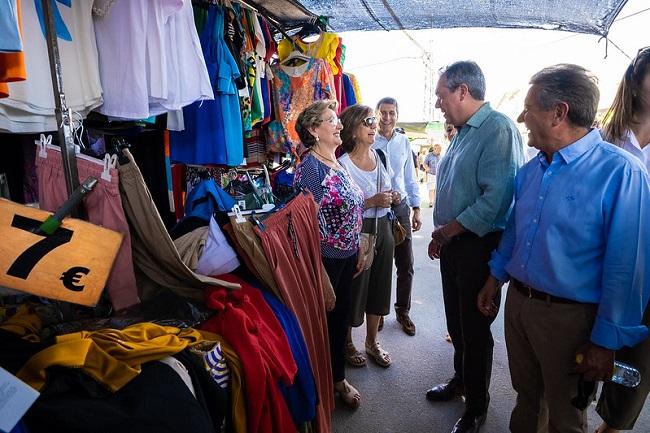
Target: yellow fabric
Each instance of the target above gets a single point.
(323, 48)
(237, 388)
(24, 323)
(110, 356)
(355, 87)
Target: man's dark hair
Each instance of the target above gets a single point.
(573, 85)
(468, 73)
(388, 100)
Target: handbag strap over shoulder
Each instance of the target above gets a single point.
(378, 189)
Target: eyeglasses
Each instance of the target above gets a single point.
(332, 120)
(370, 121)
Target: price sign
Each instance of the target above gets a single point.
(72, 264)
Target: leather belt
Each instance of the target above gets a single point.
(531, 293)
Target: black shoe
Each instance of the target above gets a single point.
(469, 423)
(446, 391)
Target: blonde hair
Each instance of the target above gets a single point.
(620, 116)
(310, 118)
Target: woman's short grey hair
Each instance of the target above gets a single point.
(310, 118)
(571, 84)
(468, 73)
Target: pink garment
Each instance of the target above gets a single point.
(103, 206)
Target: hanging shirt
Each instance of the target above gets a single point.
(150, 58)
(12, 65)
(9, 32)
(295, 88)
(325, 47)
(30, 106)
(213, 129)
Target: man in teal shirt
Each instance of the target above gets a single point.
(474, 195)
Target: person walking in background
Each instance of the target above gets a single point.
(627, 124)
(431, 166)
(371, 289)
(340, 210)
(575, 252)
(475, 184)
(397, 149)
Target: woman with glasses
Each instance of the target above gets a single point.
(371, 290)
(627, 124)
(340, 209)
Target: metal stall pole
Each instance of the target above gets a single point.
(63, 117)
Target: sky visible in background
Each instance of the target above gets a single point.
(390, 64)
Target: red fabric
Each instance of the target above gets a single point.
(248, 324)
(178, 188)
(291, 243)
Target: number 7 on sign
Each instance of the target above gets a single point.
(24, 263)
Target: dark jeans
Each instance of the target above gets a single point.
(340, 272)
(464, 269)
(404, 260)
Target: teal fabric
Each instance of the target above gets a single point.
(476, 177)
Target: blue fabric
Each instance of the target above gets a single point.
(62, 31)
(301, 396)
(9, 34)
(580, 230)
(350, 97)
(213, 129)
(206, 198)
(475, 178)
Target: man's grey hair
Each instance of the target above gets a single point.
(573, 85)
(468, 73)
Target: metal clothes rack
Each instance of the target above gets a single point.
(63, 114)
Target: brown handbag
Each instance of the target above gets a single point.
(399, 232)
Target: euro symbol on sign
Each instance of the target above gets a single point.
(72, 276)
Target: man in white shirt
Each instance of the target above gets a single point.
(404, 180)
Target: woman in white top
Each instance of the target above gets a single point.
(628, 126)
(371, 290)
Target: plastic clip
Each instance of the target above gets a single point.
(238, 216)
(42, 144)
(110, 161)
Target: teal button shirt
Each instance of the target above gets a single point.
(476, 177)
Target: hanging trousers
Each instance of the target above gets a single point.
(103, 206)
(464, 269)
(291, 242)
(154, 252)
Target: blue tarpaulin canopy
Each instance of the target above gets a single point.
(581, 16)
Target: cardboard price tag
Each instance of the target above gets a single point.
(71, 265)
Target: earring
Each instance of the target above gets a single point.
(317, 138)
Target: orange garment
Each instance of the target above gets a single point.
(12, 65)
(110, 356)
(24, 323)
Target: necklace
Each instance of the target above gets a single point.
(336, 164)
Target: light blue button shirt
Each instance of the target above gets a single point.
(400, 157)
(580, 230)
(476, 177)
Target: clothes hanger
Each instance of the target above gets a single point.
(295, 55)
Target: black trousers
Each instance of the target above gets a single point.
(340, 272)
(464, 269)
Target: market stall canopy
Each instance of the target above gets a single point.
(581, 16)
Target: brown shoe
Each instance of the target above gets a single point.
(407, 324)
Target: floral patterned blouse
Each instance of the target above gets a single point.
(340, 204)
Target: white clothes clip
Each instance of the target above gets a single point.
(110, 161)
(42, 144)
(238, 215)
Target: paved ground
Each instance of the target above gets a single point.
(393, 398)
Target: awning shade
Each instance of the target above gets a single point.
(582, 16)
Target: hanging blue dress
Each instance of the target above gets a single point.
(213, 129)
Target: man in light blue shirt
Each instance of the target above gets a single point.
(575, 251)
(404, 180)
(475, 185)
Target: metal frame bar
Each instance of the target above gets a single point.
(63, 115)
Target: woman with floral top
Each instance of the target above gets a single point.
(340, 209)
